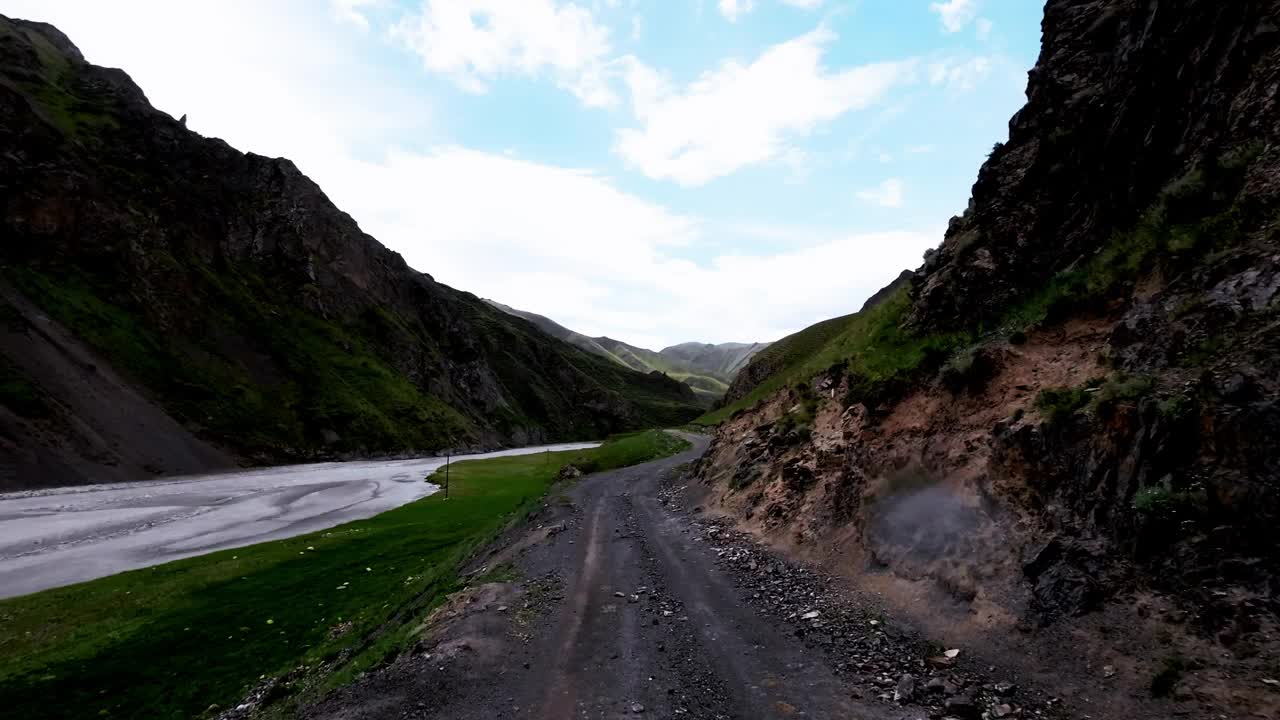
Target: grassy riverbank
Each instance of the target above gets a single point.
(174, 640)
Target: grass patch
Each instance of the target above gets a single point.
(1058, 404)
(19, 394)
(629, 449)
(170, 641)
(1099, 395)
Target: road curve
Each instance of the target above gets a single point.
(51, 538)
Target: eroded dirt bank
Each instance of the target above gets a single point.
(960, 511)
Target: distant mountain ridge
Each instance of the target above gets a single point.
(707, 368)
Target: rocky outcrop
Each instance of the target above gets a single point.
(1077, 438)
(230, 291)
(1127, 98)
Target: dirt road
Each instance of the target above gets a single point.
(623, 611)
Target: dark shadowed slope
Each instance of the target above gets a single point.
(227, 289)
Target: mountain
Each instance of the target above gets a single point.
(706, 368)
(1064, 421)
(723, 360)
(172, 305)
(775, 362)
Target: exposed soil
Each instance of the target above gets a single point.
(910, 504)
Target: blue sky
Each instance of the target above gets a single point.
(654, 170)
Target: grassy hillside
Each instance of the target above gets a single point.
(232, 292)
(707, 369)
(174, 640)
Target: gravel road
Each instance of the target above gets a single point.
(624, 611)
(50, 538)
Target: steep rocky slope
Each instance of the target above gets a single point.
(227, 295)
(1056, 442)
(705, 367)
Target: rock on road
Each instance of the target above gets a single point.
(622, 612)
(50, 538)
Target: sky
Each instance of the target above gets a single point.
(657, 171)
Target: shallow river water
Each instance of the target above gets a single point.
(50, 538)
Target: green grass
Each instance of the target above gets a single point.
(870, 346)
(169, 641)
(630, 449)
(1058, 404)
(61, 103)
(1098, 395)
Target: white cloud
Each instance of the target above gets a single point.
(571, 245)
(733, 9)
(803, 4)
(475, 41)
(353, 11)
(960, 75)
(955, 14)
(741, 114)
(983, 28)
(286, 79)
(887, 194)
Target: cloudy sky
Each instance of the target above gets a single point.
(654, 170)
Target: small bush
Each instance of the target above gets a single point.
(1119, 389)
(1153, 500)
(1167, 676)
(1176, 407)
(1159, 502)
(969, 369)
(1058, 404)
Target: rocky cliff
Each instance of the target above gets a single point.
(226, 295)
(1064, 423)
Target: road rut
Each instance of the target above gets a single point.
(622, 613)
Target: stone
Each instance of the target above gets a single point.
(637, 708)
(906, 689)
(961, 706)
